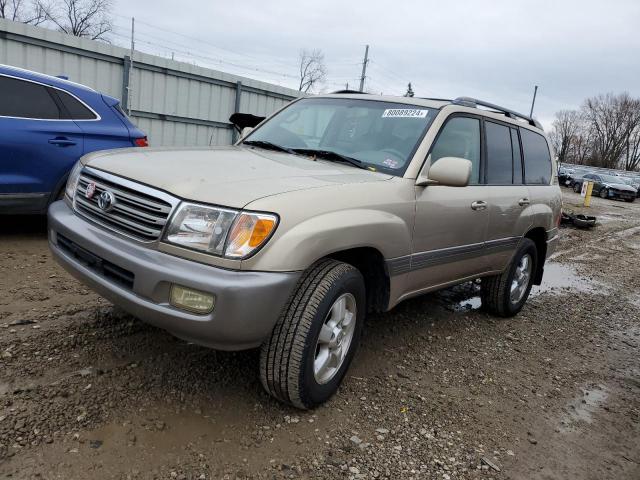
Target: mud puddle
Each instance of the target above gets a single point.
(559, 278)
(582, 408)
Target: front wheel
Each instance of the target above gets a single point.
(576, 188)
(506, 294)
(630, 200)
(311, 346)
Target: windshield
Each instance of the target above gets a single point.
(611, 179)
(381, 135)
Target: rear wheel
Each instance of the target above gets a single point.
(632, 199)
(506, 294)
(604, 193)
(577, 187)
(315, 339)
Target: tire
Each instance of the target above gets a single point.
(629, 200)
(577, 188)
(603, 193)
(496, 292)
(288, 357)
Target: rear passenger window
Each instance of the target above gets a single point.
(24, 99)
(460, 137)
(537, 159)
(77, 111)
(499, 154)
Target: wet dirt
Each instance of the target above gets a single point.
(439, 389)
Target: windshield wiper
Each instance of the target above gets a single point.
(332, 156)
(269, 146)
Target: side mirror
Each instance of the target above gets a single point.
(245, 131)
(449, 171)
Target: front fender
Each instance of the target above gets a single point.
(298, 247)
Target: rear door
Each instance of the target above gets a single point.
(509, 212)
(38, 142)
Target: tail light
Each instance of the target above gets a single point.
(141, 142)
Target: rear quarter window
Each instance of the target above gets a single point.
(77, 110)
(537, 159)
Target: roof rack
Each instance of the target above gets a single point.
(436, 99)
(349, 92)
(475, 103)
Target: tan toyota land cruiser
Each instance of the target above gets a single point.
(335, 206)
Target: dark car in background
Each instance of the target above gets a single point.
(607, 186)
(564, 174)
(575, 177)
(633, 182)
(46, 125)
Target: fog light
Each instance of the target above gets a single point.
(191, 300)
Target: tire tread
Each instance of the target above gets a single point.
(282, 355)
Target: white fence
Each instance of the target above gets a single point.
(175, 103)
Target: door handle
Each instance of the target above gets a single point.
(523, 202)
(62, 142)
(479, 205)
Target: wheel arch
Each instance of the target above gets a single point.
(538, 236)
(371, 264)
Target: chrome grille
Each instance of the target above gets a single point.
(137, 211)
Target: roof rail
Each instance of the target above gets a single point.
(475, 103)
(349, 91)
(436, 99)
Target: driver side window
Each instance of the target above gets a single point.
(460, 137)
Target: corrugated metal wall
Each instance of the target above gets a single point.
(174, 103)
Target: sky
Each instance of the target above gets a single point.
(494, 50)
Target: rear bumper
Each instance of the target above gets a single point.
(247, 304)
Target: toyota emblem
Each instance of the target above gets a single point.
(106, 201)
(91, 189)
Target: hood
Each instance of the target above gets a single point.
(226, 176)
(623, 187)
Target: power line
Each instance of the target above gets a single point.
(205, 42)
(206, 58)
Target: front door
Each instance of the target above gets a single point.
(37, 145)
(451, 222)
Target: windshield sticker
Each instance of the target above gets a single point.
(391, 163)
(404, 113)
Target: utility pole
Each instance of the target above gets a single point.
(129, 97)
(533, 102)
(364, 67)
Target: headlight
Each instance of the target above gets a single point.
(72, 181)
(220, 231)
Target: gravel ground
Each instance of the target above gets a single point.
(438, 390)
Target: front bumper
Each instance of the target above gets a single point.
(247, 303)
(622, 195)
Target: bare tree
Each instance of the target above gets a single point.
(632, 154)
(612, 120)
(312, 69)
(81, 18)
(565, 129)
(30, 12)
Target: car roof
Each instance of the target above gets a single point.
(43, 78)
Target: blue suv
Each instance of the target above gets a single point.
(46, 125)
